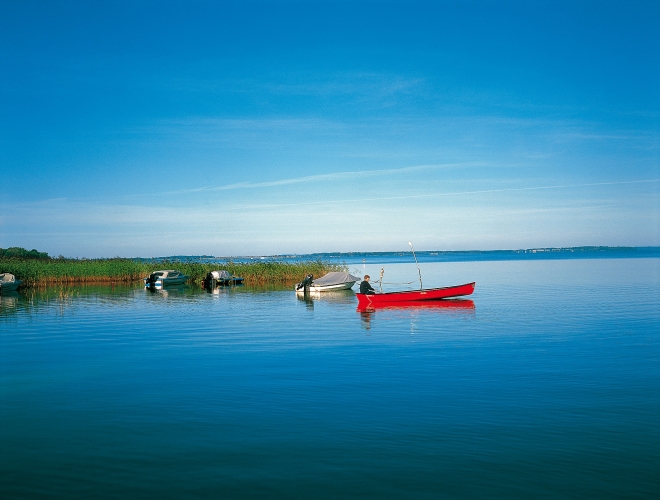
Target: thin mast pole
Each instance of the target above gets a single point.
(421, 287)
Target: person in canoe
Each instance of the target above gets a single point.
(365, 287)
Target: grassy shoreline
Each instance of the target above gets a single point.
(36, 272)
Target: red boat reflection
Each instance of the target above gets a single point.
(446, 304)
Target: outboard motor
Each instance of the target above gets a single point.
(151, 280)
(209, 281)
(306, 283)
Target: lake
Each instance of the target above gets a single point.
(546, 384)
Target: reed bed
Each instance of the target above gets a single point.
(60, 271)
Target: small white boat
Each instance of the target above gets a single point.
(8, 282)
(165, 278)
(330, 282)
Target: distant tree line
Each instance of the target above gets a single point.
(22, 253)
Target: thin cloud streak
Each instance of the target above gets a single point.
(242, 207)
(455, 193)
(324, 177)
(284, 228)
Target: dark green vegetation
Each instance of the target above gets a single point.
(43, 271)
(22, 253)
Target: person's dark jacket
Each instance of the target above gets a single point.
(366, 288)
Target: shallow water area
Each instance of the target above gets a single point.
(544, 383)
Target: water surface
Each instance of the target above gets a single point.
(546, 385)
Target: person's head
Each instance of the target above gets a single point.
(367, 277)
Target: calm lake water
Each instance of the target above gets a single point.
(545, 385)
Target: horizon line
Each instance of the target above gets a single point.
(380, 252)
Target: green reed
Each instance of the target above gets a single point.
(44, 271)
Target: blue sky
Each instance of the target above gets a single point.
(227, 128)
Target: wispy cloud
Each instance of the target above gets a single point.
(97, 229)
(326, 177)
(352, 84)
(375, 85)
(456, 193)
(135, 214)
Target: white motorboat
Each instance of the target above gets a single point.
(165, 278)
(330, 282)
(8, 282)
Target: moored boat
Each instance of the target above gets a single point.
(381, 299)
(8, 282)
(165, 278)
(223, 278)
(330, 282)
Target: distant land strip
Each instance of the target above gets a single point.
(402, 256)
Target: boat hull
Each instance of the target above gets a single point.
(382, 299)
(10, 286)
(167, 281)
(231, 281)
(329, 288)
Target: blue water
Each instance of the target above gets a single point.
(546, 385)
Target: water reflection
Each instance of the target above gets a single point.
(435, 305)
(365, 318)
(336, 297)
(59, 298)
(169, 291)
(307, 299)
(8, 303)
(448, 306)
(218, 289)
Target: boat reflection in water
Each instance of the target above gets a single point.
(8, 303)
(160, 291)
(332, 297)
(445, 306)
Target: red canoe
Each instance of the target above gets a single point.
(379, 299)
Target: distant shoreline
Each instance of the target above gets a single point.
(568, 252)
(585, 252)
